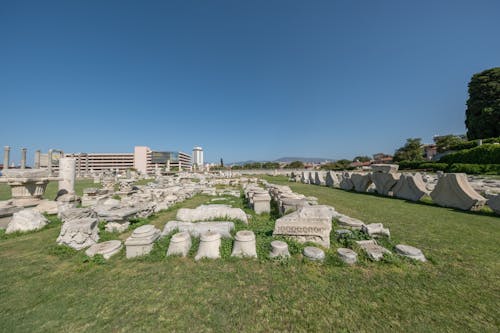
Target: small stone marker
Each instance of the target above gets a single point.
(180, 243)
(376, 230)
(279, 249)
(347, 255)
(209, 246)
(372, 249)
(244, 244)
(410, 252)
(314, 254)
(141, 241)
(106, 249)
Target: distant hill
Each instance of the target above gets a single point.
(288, 160)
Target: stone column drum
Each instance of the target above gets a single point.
(180, 243)
(67, 171)
(209, 246)
(244, 244)
(141, 241)
(6, 157)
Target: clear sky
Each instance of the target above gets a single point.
(243, 79)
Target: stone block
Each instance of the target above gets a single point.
(211, 212)
(141, 241)
(374, 251)
(410, 187)
(180, 243)
(385, 168)
(361, 182)
(453, 190)
(346, 182)
(196, 229)
(79, 233)
(106, 249)
(279, 249)
(410, 252)
(26, 220)
(347, 255)
(375, 230)
(384, 182)
(244, 244)
(494, 203)
(313, 253)
(209, 246)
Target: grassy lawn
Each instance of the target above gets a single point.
(52, 186)
(47, 288)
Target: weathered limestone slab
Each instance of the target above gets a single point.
(346, 182)
(305, 177)
(312, 178)
(494, 204)
(198, 228)
(279, 249)
(332, 180)
(372, 249)
(375, 230)
(106, 249)
(7, 210)
(385, 168)
(361, 182)
(76, 214)
(180, 243)
(26, 220)
(290, 204)
(141, 241)
(313, 253)
(350, 222)
(244, 244)
(453, 190)
(262, 203)
(48, 207)
(210, 212)
(410, 187)
(79, 233)
(347, 255)
(319, 178)
(118, 227)
(209, 246)
(312, 223)
(410, 252)
(384, 182)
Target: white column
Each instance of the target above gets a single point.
(23, 158)
(67, 171)
(37, 159)
(6, 157)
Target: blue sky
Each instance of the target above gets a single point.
(243, 79)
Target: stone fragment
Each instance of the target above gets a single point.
(375, 230)
(361, 182)
(141, 241)
(180, 243)
(313, 253)
(494, 203)
(347, 255)
(331, 179)
(319, 178)
(106, 249)
(198, 228)
(117, 227)
(410, 187)
(312, 224)
(209, 246)
(292, 204)
(262, 203)
(244, 244)
(372, 249)
(410, 252)
(26, 220)
(343, 233)
(350, 222)
(453, 190)
(79, 233)
(384, 182)
(346, 182)
(211, 212)
(385, 168)
(47, 207)
(76, 213)
(279, 249)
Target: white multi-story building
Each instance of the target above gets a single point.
(198, 158)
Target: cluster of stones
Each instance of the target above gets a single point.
(258, 198)
(451, 190)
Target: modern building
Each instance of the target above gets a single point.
(143, 159)
(198, 158)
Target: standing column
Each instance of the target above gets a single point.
(23, 158)
(6, 157)
(37, 159)
(67, 171)
(49, 162)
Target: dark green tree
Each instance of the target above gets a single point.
(221, 163)
(361, 159)
(482, 117)
(295, 165)
(444, 142)
(412, 151)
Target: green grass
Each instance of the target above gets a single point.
(47, 288)
(52, 187)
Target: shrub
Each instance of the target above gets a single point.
(485, 154)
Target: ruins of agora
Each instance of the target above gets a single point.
(117, 201)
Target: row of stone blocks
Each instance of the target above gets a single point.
(258, 198)
(452, 190)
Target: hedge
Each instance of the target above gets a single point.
(472, 169)
(485, 154)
